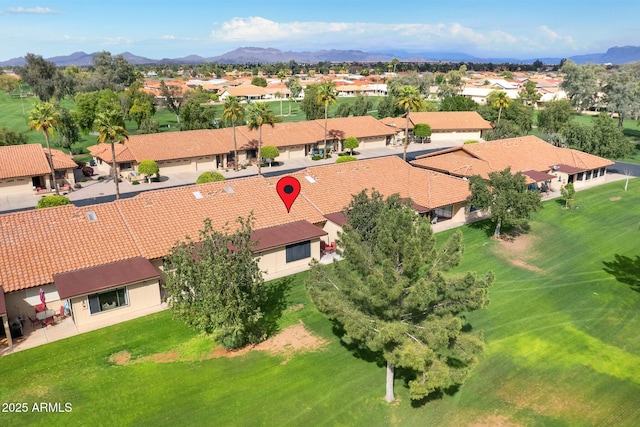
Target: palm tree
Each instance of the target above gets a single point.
(259, 114)
(44, 117)
(281, 76)
(501, 100)
(326, 95)
(110, 127)
(233, 113)
(408, 99)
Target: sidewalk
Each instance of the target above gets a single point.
(100, 191)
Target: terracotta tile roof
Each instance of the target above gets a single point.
(62, 160)
(246, 90)
(454, 164)
(360, 127)
(94, 279)
(103, 151)
(333, 185)
(521, 154)
(37, 244)
(286, 234)
(442, 121)
(23, 160)
(158, 219)
(281, 134)
(180, 145)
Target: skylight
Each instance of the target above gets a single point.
(198, 195)
(91, 216)
(228, 189)
(310, 179)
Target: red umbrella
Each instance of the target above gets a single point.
(43, 299)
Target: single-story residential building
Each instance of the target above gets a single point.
(544, 164)
(210, 149)
(136, 234)
(247, 92)
(331, 187)
(25, 169)
(445, 125)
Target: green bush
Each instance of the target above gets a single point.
(470, 141)
(210, 177)
(135, 183)
(318, 157)
(51, 201)
(100, 178)
(345, 159)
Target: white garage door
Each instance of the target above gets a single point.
(16, 186)
(176, 166)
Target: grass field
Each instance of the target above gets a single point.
(561, 335)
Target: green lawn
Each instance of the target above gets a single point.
(560, 332)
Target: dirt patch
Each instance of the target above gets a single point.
(615, 199)
(518, 251)
(121, 358)
(292, 340)
(494, 421)
(295, 307)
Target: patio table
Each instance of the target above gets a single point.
(44, 316)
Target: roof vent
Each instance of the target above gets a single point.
(555, 167)
(228, 189)
(91, 216)
(198, 195)
(310, 179)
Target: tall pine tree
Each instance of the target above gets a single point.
(391, 296)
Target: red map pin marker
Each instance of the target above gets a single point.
(288, 189)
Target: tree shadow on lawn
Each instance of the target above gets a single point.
(507, 232)
(625, 270)
(277, 303)
(359, 352)
(632, 134)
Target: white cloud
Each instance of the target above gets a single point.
(551, 35)
(168, 37)
(367, 35)
(32, 10)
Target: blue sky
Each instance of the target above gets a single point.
(162, 29)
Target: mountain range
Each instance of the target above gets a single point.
(243, 55)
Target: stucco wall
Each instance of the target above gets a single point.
(274, 261)
(458, 136)
(141, 295)
(22, 303)
(332, 228)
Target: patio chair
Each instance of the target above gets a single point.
(35, 321)
(61, 314)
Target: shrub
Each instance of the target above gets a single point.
(210, 177)
(83, 180)
(77, 186)
(318, 157)
(100, 178)
(470, 141)
(345, 159)
(135, 183)
(51, 201)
